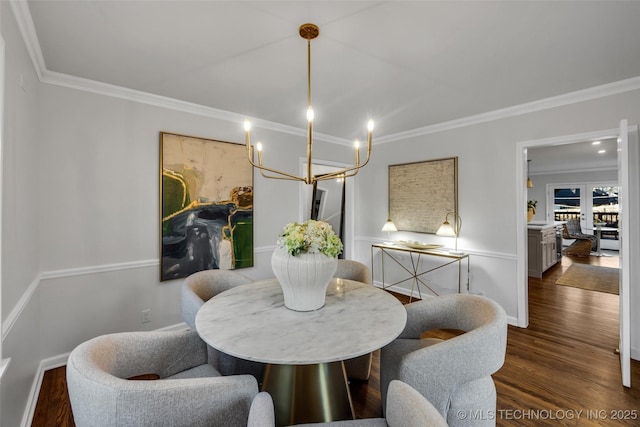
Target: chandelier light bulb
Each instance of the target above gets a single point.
(356, 144)
(370, 125)
(259, 146)
(309, 114)
(247, 125)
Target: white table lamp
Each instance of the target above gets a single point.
(446, 229)
(389, 226)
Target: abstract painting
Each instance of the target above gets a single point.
(206, 202)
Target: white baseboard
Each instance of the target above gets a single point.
(45, 365)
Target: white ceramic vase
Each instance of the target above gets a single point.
(304, 278)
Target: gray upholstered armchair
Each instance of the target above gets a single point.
(197, 289)
(454, 374)
(405, 408)
(358, 368)
(188, 391)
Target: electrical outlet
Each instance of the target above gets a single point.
(146, 316)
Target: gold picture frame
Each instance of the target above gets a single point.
(422, 193)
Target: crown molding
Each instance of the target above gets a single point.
(575, 170)
(24, 20)
(595, 92)
(87, 85)
(25, 24)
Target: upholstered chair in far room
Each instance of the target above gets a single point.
(358, 368)
(185, 390)
(199, 288)
(583, 244)
(405, 408)
(453, 374)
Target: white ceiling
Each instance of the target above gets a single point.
(406, 64)
(584, 156)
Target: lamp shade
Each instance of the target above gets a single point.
(446, 230)
(389, 226)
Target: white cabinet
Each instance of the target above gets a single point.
(542, 249)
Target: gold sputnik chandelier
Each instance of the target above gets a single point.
(307, 32)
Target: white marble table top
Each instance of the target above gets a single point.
(251, 322)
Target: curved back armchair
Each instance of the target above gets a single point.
(454, 374)
(405, 408)
(353, 270)
(189, 391)
(199, 288)
(358, 368)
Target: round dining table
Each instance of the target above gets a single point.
(303, 350)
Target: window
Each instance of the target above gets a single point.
(592, 204)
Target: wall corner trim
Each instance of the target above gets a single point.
(4, 363)
(15, 313)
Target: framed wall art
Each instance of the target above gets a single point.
(422, 193)
(206, 202)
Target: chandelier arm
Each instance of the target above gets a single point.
(337, 174)
(333, 176)
(344, 172)
(282, 175)
(285, 177)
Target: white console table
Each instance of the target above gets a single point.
(417, 272)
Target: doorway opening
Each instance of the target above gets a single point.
(621, 135)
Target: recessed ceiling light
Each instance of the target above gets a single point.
(602, 151)
(595, 143)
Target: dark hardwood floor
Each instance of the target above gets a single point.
(560, 371)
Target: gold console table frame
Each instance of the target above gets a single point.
(415, 273)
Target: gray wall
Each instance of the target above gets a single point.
(20, 226)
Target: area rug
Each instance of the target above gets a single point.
(591, 277)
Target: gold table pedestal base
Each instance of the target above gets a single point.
(308, 393)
